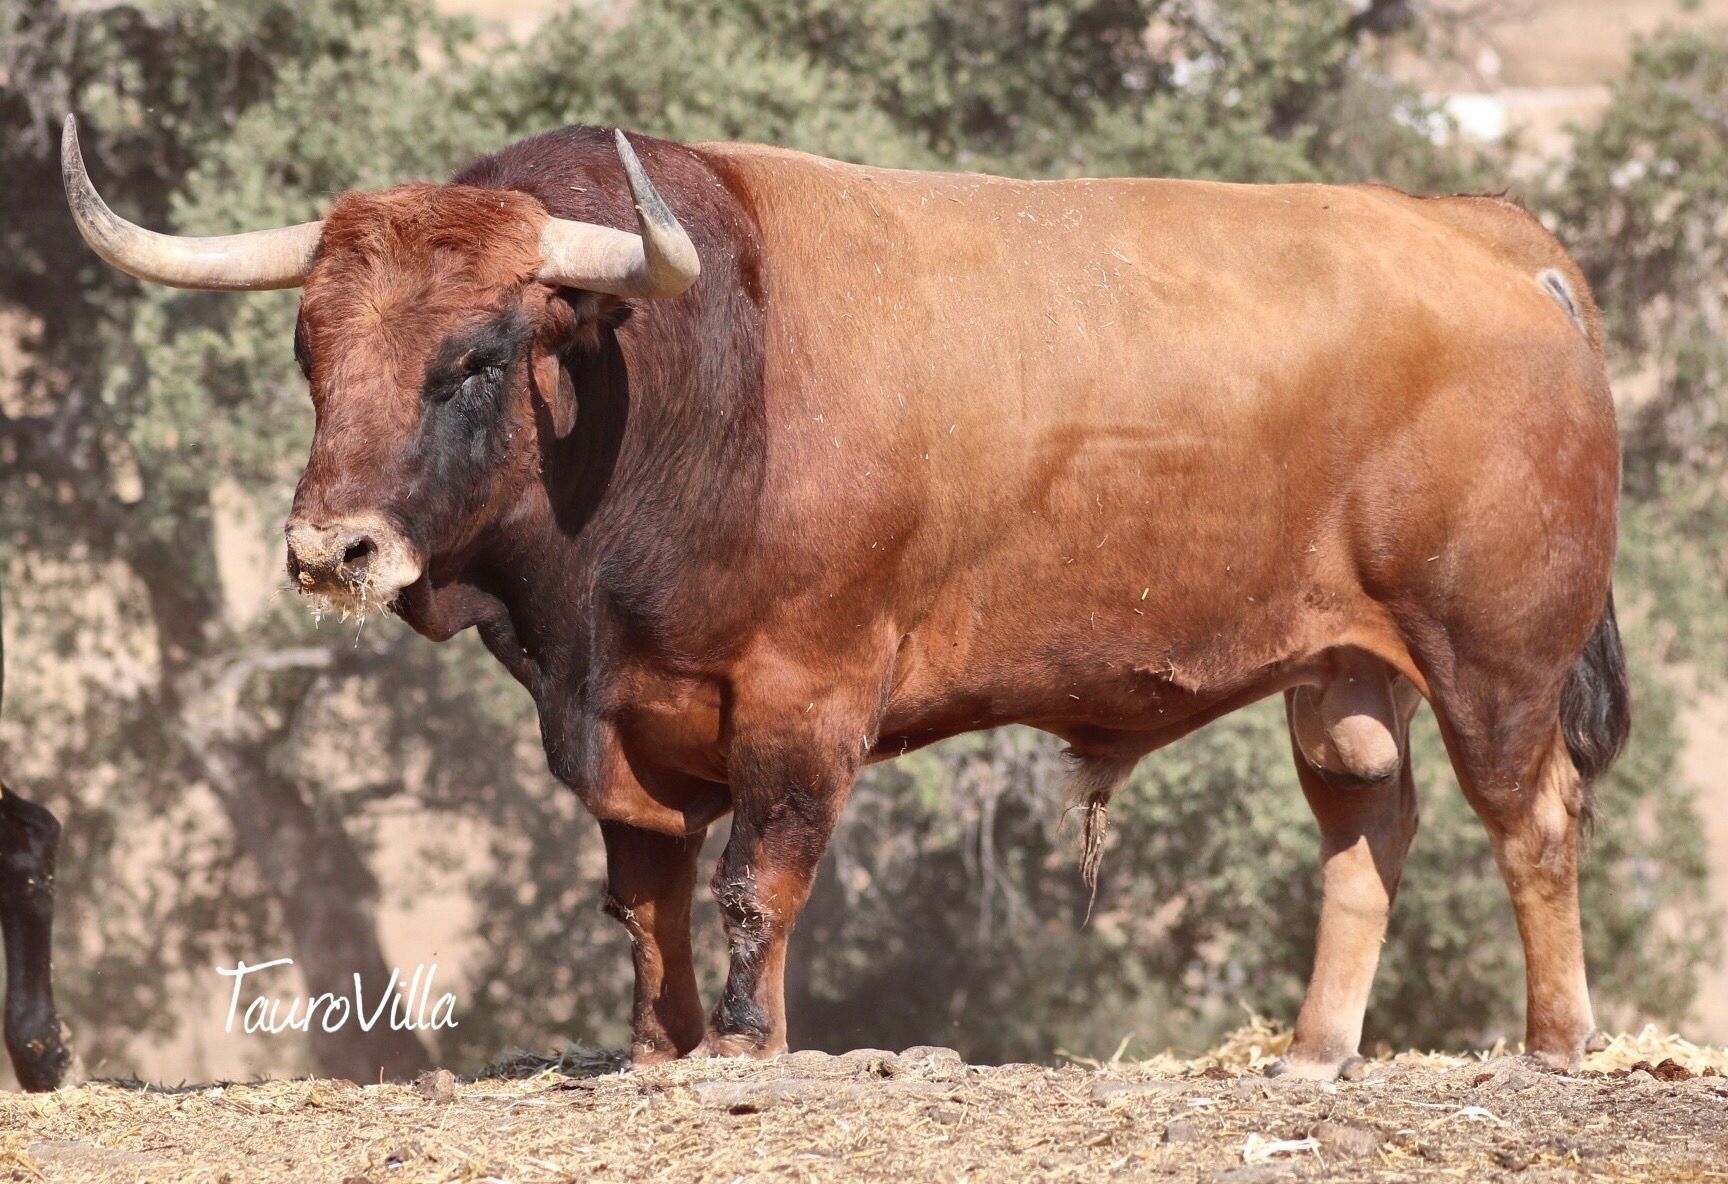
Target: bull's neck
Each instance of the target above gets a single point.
(656, 483)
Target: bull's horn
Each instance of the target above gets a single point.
(657, 263)
(258, 259)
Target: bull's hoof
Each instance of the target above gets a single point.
(1598, 1041)
(721, 1044)
(643, 1055)
(1298, 1068)
(1556, 1062)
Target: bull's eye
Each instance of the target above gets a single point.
(477, 384)
(482, 381)
(469, 368)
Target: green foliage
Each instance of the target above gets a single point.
(1253, 90)
(951, 908)
(1645, 206)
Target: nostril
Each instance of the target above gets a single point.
(359, 553)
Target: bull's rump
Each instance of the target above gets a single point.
(1108, 432)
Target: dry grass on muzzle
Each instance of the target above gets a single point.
(357, 604)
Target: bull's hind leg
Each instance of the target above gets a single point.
(1350, 741)
(650, 884)
(35, 1038)
(1520, 780)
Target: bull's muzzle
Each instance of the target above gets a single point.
(354, 565)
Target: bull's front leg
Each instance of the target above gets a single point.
(787, 793)
(650, 883)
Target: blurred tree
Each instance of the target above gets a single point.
(130, 424)
(1644, 201)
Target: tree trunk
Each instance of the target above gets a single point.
(329, 900)
(316, 876)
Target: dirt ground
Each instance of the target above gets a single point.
(917, 1115)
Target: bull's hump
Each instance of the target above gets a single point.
(768, 160)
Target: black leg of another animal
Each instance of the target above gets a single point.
(29, 841)
(784, 811)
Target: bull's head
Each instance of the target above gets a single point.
(427, 330)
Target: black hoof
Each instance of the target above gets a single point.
(42, 1070)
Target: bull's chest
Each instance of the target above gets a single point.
(641, 749)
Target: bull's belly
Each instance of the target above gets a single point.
(1087, 731)
(1098, 700)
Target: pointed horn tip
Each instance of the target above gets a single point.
(81, 196)
(666, 262)
(633, 170)
(69, 149)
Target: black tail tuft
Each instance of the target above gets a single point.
(1595, 703)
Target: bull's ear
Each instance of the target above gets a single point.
(574, 324)
(554, 394)
(586, 317)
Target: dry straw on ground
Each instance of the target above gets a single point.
(917, 1115)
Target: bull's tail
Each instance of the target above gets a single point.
(1595, 702)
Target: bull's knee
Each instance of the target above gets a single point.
(746, 917)
(741, 1025)
(1350, 727)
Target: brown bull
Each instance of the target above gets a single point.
(919, 454)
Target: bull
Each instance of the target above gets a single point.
(839, 461)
